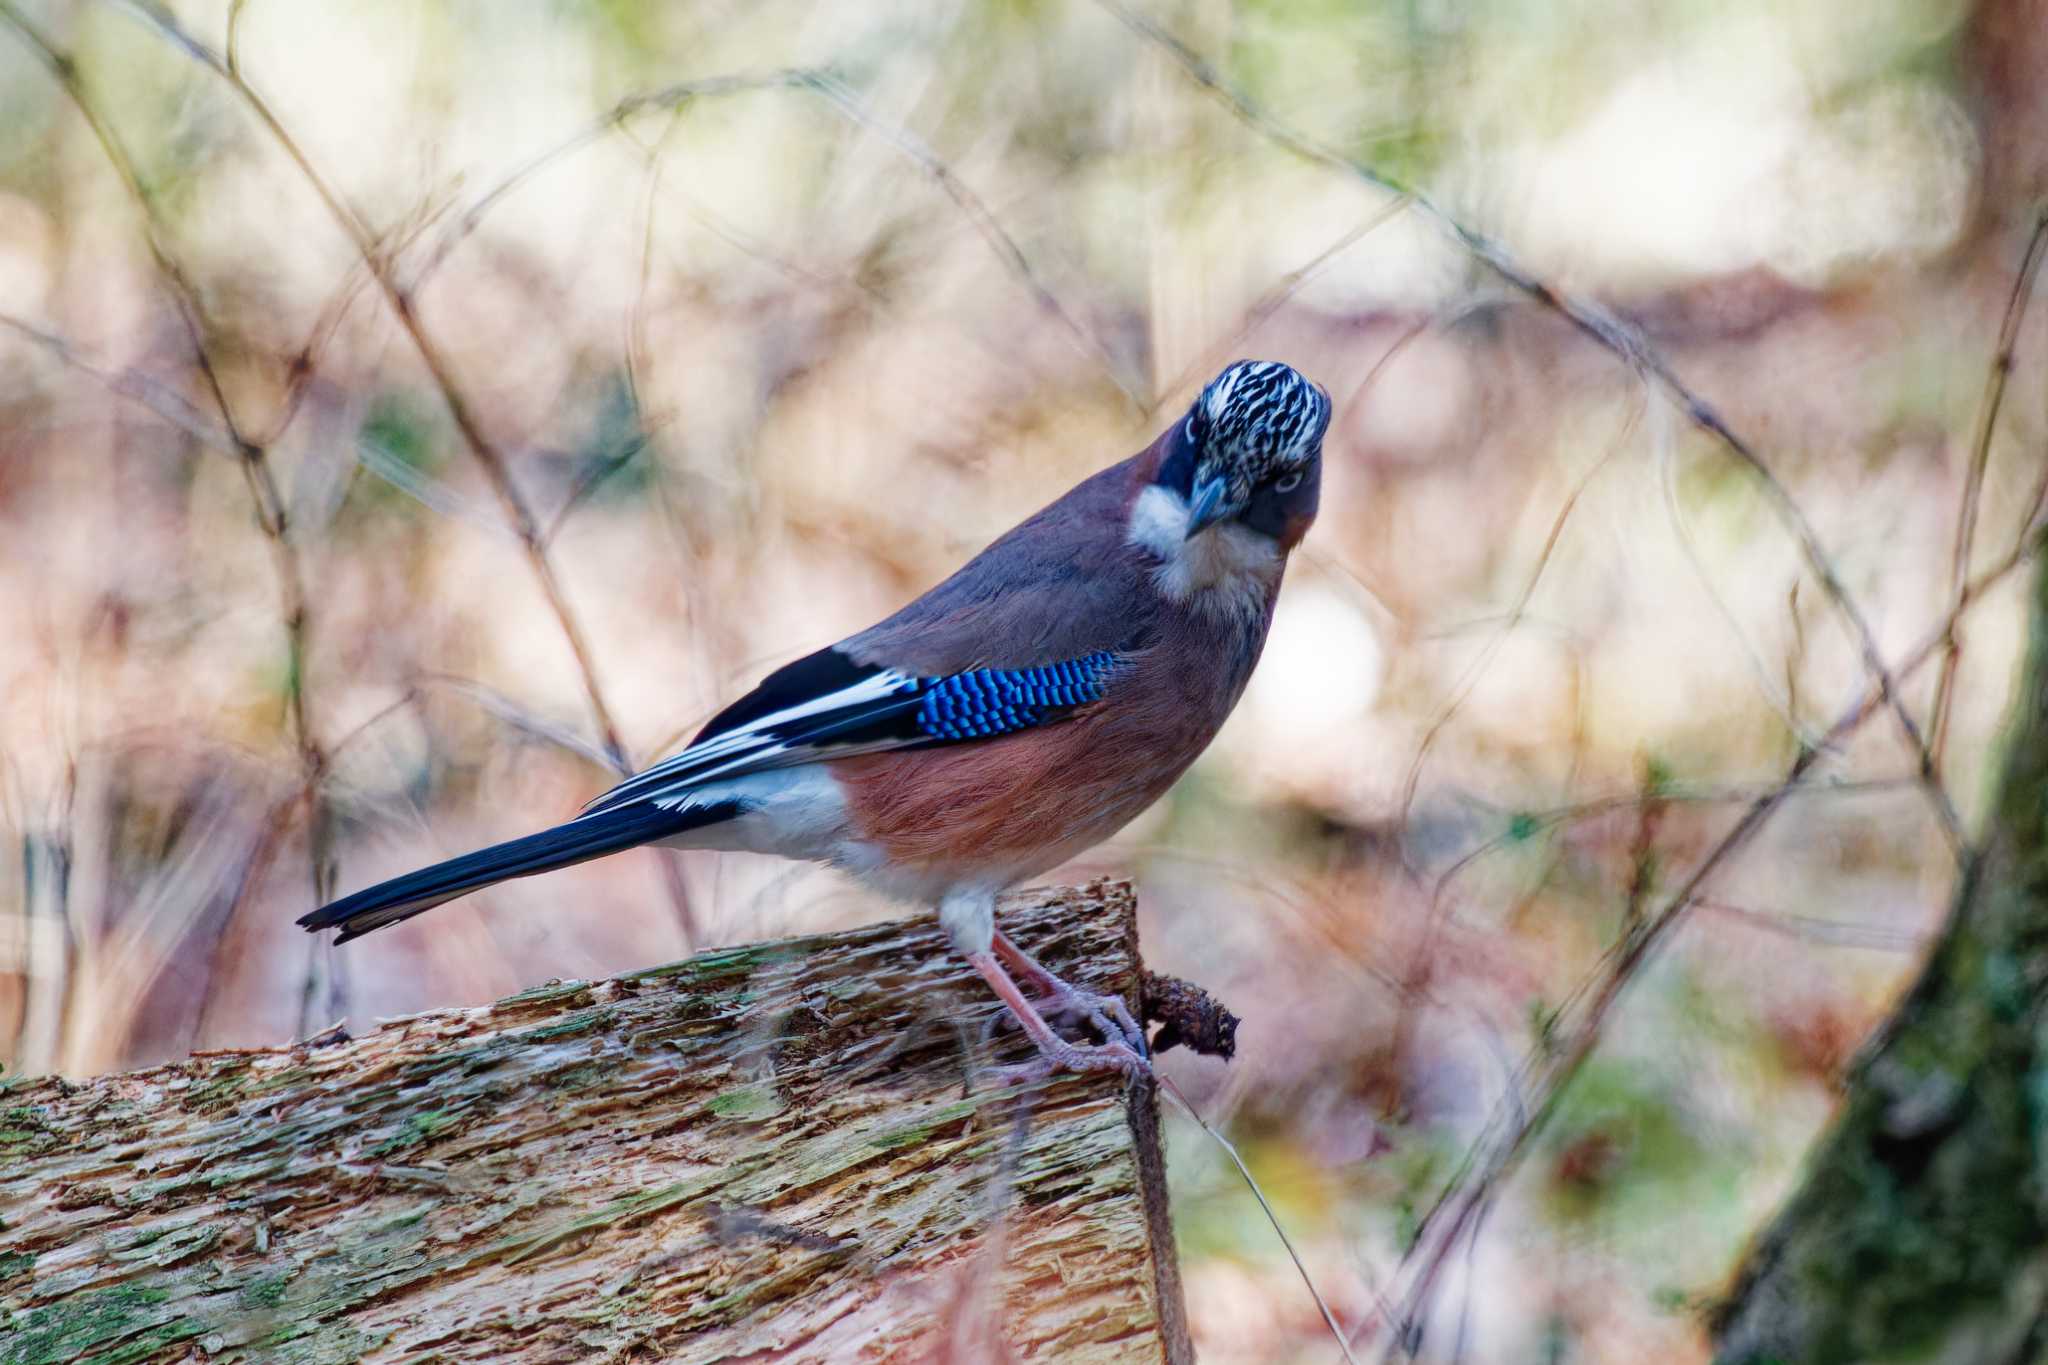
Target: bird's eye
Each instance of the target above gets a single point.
(1287, 483)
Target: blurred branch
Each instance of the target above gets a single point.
(1608, 331)
(592, 477)
(405, 701)
(1682, 793)
(1470, 679)
(1980, 459)
(488, 455)
(1274, 299)
(670, 97)
(254, 456)
(835, 93)
(1817, 929)
(636, 313)
(381, 462)
(1558, 1058)
(305, 361)
(984, 220)
(133, 385)
(233, 41)
(1525, 825)
(1779, 700)
(497, 704)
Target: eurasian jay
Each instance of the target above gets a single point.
(1016, 714)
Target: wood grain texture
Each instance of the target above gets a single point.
(787, 1151)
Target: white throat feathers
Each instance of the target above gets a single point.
(1227, 568)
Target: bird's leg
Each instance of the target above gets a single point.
(1057, 1051)
(1107, 1013)
(969, 918)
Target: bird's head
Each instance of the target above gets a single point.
(1249, 453)
(1238, 477)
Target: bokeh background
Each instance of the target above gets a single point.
(550, 372)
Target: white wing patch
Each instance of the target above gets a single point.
(758, 745)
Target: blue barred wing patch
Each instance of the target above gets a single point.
(827, 706)
(997, 701)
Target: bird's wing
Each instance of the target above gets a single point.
(827, 706)
(1062, 584)
(1027, 632)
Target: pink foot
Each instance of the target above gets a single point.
(1056, 1053)
(1058, 998)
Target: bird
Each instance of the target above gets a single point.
(1018, 713)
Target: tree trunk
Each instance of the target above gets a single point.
(1921, 1232)
(786, 1151)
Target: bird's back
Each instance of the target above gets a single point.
(1060, 585)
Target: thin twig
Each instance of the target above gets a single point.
(497, 704)
(592, 476)
(1683, 793)
(1781, 701)
(1462, 690)
(835, 93)
(488, 455)
(670, 97)
(1609, 332)
(1980, 458)
(1816, 929)
(305, 361)
(636, 313)
(1275, 298)
(984, 220)
(406, 700)
(1329, 1318)
(133, 385)
(234, 38)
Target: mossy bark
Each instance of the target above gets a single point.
(1921, 1230)
(788, 1151)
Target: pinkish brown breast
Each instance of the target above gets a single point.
(1012, 807)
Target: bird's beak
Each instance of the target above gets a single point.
(1206, 508)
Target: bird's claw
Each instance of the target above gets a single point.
(1108, 1015)
(1123, 1043)
(1065, 1056)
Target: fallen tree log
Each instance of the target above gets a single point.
(785, 1151)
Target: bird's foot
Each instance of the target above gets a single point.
(1061, 1055)
(1060, 999)
(1107, 1014)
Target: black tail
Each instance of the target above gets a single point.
(593, 836)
